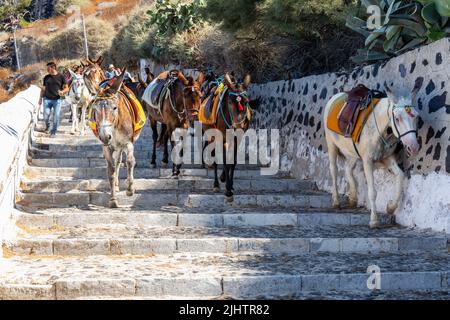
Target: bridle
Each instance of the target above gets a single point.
(182, 115)
(239, 97)
(391, 117)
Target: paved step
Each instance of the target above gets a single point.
(115, 239)
(200, 217)
(32, 172)
(152, 200)
(142, 161)
(249, 275)
(57, 184)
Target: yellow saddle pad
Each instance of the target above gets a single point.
(209, 108)
(133, 104)
(333, 118)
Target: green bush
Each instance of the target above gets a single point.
(405, 25)
(233, 14)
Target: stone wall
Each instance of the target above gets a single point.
(296, 107)
(16, 119)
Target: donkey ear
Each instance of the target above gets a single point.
(72, 73)
(229, 83)
(183, 78)
(99, 60)
(200, 78)
(118, 83)
(247, 81)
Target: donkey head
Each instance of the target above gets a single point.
(93, 74)
(238, 101)
(77, 86)
(403, 120)
(192, 94)
(105, 109)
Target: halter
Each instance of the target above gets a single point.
(181, 115)
(391, 118)
(240, 96)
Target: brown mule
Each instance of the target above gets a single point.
(177, 109)
(114, 128)
(233, 114)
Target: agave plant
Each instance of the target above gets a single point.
(405, 25)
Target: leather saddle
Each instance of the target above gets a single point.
(359, 98)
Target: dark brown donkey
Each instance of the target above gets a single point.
(113, 125)
(176, 110)
(233, 114)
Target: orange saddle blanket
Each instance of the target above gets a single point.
(336, 109)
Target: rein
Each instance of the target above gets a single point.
(239, 97)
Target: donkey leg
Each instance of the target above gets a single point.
(353, 193)
(83, 120)
(216, 179)
(131, 163)
(165, 140)
(393, 205)
(228, 184)
(154, 126)
(117, 158)
(332, 154)
(371, 192)
(110, 171)
(73, 109)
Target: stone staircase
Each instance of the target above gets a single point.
(176, 239)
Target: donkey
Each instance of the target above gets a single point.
(114, 123)
(177, 108)
(79, 98)
(93, 75)
(233, 114)
(392, 121)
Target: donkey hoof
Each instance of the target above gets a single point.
(391, 208)
(374, 224)
(130, 193)
(353, 204)
(216, 189)
(229, 199)
(164, 164)
(113, 204)
(153, 165)
(336, 205)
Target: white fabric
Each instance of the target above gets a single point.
(147, 96)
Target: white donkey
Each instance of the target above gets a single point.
(79, 98)
(392, 120)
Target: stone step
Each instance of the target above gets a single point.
(249, 275)
(115, 239)
(142, 161)
(154, 200)
(334, 295)
(57, 184)
(185, 217)
(32, 172)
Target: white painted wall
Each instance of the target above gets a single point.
(17, 117)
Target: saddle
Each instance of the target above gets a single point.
(159, 88)
(210, 106)
(133, 105)
(347, 117)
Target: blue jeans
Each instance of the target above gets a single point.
(48, 106)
